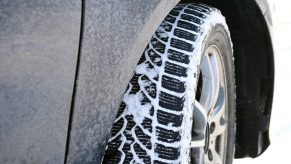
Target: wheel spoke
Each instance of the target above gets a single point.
(211, 82)
(217, 120)
(219, 128)
(216, 80)
(219, 108)
(200, 121)
(216, 159)
(197, 143)
(199, 108)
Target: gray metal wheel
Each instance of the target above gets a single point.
(210, 112)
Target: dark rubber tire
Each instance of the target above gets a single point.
(155, 117)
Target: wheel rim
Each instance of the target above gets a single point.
(209, 132)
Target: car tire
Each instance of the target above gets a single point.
(181, 94)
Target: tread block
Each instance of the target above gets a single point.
(159, 162)
(143, 138)
(169, 153)
(192, 19)
(142, 154)
(134, 82)
(112, 154)
(170, 19)
(147, 124)
(166, 26)
(204, 7)
(128, 154)
(113, 145)
(199, 8)
(152, 111)
(178, 56)
(175, 69)
(157, 45)
(174, 13)
(182, 45)
(143, 59)
(178, 7)
(167, 119)
(149, 86)
(162, 35)
(130, 122)
(113, 158)
(121, 109)
(117, 126)
(168, 136)
(171, 102)
(154, 57)
(185, 35)
(173, 84)
(129, 126)
(188, 26)
(195, 13)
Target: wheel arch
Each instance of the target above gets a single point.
(249, 23)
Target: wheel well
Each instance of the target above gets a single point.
(254, 69)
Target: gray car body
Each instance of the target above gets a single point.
(64, 66)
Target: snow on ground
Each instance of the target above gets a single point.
(279, 150)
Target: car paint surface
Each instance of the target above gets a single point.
(39, 42)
